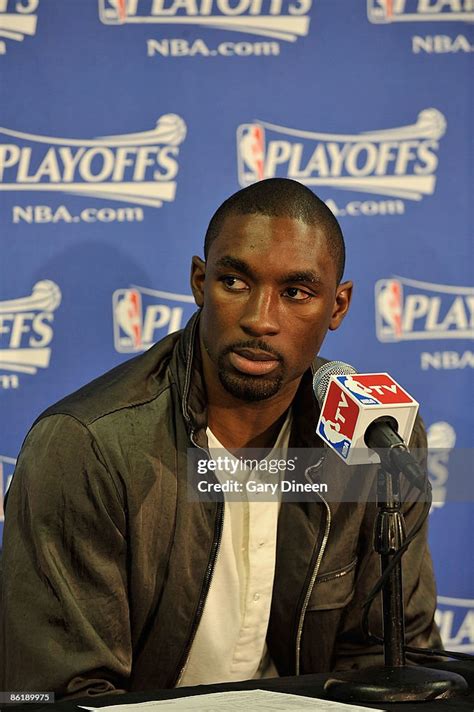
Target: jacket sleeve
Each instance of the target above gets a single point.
(64, 620)
(419, 589)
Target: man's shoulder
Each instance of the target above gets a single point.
(136, 382)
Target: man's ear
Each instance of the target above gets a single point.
(198, 274)
(341, 304)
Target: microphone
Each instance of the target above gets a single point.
(367, 418)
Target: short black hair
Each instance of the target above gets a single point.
(281, 197)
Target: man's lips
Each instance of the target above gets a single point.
(253, 362)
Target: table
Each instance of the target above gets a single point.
(308, 685)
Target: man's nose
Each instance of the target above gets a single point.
(260, 316)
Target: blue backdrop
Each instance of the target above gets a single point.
(124, 123)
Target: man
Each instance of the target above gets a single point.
(113, 579)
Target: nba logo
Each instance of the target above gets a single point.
(358, 390)
(143, 316)
(250, 153)
(128, 319)
(328, 431)
(389, 309)
(115, 11)
(384, 10)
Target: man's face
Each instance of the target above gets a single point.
(268, 293)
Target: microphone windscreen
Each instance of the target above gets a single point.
(323, 374)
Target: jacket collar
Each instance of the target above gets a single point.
(187, 371)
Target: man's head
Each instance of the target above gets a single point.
(281, 197)
(269, 289)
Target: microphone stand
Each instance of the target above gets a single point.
(395, 681)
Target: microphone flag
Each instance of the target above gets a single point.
(352, 402)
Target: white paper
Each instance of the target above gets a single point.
(237, 701)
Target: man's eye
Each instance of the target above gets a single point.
(298, 295)
(233, 283)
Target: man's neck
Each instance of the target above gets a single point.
(246, 425)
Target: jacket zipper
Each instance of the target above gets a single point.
(207, 578)
(299, 631)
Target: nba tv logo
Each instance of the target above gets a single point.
(406, 309)
(143, 316)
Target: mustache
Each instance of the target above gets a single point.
(254, 344)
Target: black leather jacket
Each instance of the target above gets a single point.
(106, 562)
